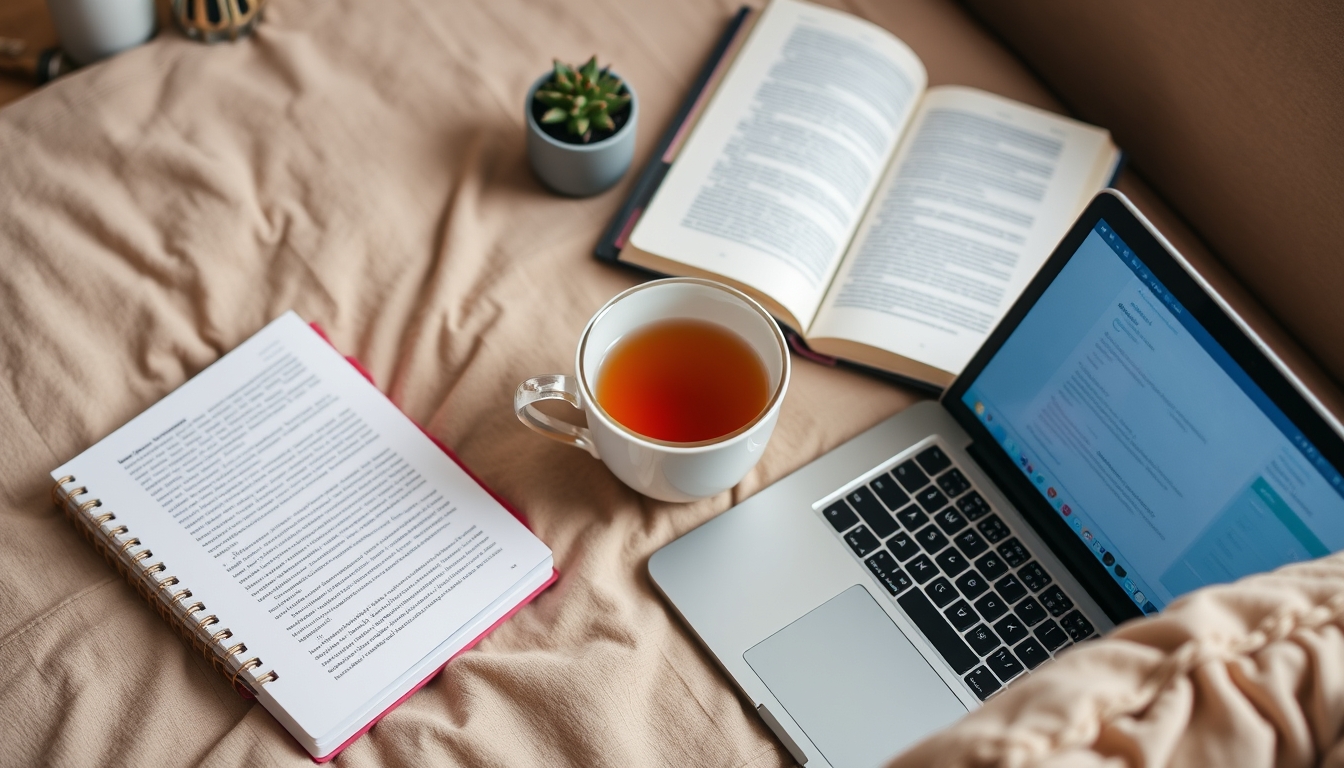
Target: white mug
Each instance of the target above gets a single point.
(658, 468)
(90, 30)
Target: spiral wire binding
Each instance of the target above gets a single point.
(201, 633)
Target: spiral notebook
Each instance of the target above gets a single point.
(320, 550)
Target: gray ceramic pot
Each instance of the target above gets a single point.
(580, 170)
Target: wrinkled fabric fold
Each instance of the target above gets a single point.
(1244, 674)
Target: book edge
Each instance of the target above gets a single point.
(617, 235)
(320, 759)
(518, 514)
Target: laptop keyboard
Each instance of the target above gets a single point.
(958, 571)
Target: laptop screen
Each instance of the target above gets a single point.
(1142, 433)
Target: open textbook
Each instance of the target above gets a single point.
(311, 541)
(887, 223)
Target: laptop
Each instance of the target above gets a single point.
(1121, 438)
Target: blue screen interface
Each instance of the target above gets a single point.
(1162, 455)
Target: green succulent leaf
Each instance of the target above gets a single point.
(553, 98)
(589, 69)
(582, 97)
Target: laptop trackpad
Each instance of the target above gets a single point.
(850, 678)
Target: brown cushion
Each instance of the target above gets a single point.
(1233, 111)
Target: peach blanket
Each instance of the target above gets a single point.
(363, 164)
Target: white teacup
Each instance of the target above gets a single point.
(658, 468)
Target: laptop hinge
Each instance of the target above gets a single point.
(782, 734)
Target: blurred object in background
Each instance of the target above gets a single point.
(211, 21)
(29, 22)
(17, 57)
(90, 30)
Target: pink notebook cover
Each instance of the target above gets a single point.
(512, 510)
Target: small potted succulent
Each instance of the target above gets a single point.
(581, 128)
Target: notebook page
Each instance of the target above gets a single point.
(312, 517)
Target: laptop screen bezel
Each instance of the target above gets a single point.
(1071, 550)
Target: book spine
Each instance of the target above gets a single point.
(618, 231)
(201, 629)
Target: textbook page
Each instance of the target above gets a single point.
(771, 185)
(979, 194)
(313, 518)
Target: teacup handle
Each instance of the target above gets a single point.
(553, 386)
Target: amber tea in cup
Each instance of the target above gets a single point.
(680, 382)
(683, 381)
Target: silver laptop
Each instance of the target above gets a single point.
(1120, 439)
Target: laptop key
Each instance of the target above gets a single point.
(896, 582)
(1014, 553)
(951, 561)
(961, 615)
(889, 492)
(912, 517)
(881, 563)
(931, 539)
(1034, 576)
(982, 683)
(910, 476)
(972, 585)
(971, 543)
(1032, 653)
(991, 606)
(1011, 629)
(902, 546)
(982, 639)
(1010, 589)
(931, 499)
(840, 516)
(953, 483)
(1005, 664)
(1077, 625)
(991, 565)
(872, 512)
(940, 591)
(1030, 612)
(885, 569)
(1055, 601)
(973, 506)
(921, 569)
(950, 520)
(948, 643)
(862, 541)
(1050, 635)
(933, 460)
(993, 529)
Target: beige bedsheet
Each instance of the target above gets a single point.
(362, 163)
